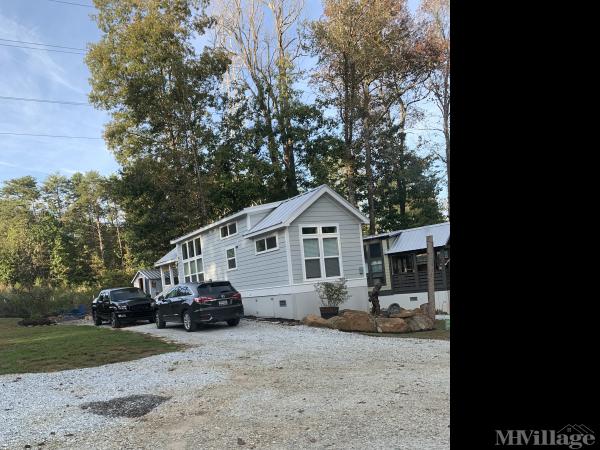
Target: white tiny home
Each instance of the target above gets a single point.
(273, 254)
(148, 280)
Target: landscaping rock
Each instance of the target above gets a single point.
(420, 322)
(406, 313)
(392, 325)
(353, 320)
(315, 321)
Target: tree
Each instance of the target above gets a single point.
(264, 65)
(374, 60)
(437, 14)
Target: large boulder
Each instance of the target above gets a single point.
(315, 321)
(420, 322)
(391, 325)
(353, 320)
(406, 313)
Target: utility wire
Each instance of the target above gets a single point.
(46, 49)
(48, 135)
(71, 3)
(41, 100)
(45, 45)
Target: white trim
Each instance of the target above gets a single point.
(289, 256)
(227, 226)
(267, 250)
(320, 236)
(165, 263)
(298, 288)
(227, 269)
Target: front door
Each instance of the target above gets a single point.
(141, 284)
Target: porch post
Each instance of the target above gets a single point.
(162, 277)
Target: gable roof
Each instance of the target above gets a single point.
(288, 210)
(282, 212)
(416, 238)
(170, 257)
(151, 274)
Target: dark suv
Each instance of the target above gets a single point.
(202, 302)
(121, 305)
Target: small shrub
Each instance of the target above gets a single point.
(39, 301)
(332, 293)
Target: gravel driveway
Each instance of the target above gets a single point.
(259, 385)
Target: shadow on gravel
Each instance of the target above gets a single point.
(130, 406)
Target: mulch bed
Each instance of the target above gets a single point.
(36, 322)
(281, 321)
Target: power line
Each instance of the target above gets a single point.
(46, 49)
(45, 45)
(40, 100)
(71, 3)
(47, 135)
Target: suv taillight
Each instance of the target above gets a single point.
(237, 296)
(203, 299)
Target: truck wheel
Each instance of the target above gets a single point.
(160, 323)
(188, 323)
(233, 322)
(97, 320)
(114, 321)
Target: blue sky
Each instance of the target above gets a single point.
(54, 76)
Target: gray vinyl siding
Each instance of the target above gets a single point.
(328, 210)
(253, 271)
(258, 216)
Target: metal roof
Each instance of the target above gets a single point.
(416, 238)
(151, 274)
(284, 210)
(291, 208)
(168, 258)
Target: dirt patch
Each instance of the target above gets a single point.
(130, 406)
(36, 322)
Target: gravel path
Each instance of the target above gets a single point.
(258, 385)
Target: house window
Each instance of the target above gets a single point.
(193, 267)
(402, 264)
(321, 252)
(167, 278)
(228, 230)
(231, 259)
(374, 263)
(266, 244)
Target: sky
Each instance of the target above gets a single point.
(39, 74)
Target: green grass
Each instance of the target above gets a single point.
(60, 347)
(439, 333)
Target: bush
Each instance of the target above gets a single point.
(332, 293)
(39, 301)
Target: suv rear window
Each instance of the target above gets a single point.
(215, 289)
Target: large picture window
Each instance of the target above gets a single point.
(321, 251)
(193, 266)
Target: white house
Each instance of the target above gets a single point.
(148, 280)
(275, 253)
(399, 261)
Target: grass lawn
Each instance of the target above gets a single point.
(61, 347)
(438, 333)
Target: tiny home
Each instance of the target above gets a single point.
(167, 267)
(148, 280)
(275, 253)
(399, 261)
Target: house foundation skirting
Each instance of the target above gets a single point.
(299, 300)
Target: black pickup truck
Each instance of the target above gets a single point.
(122, 305)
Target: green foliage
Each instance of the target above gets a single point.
(42, 301)
(332, 293)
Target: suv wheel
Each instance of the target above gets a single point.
(114, 321)
(233, 322)
(97, 320)
(160, 323)
(188, 323)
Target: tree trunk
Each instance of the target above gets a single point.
(368, 161)
(348, 118)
